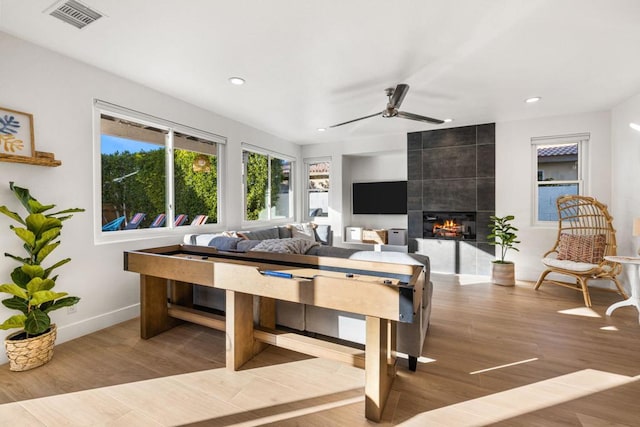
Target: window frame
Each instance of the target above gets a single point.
(307, 191)
(582, 140)
(292, 194)
(105, 108)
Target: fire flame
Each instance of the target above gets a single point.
(449, 223)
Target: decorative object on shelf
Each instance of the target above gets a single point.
(374, 236)
(17, 142)
(16, 133)
(31, 292)
(503, 235)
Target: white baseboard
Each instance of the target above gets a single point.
(90, 325)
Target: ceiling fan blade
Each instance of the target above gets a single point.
(412, 116)
(398, 95)
(355, 120)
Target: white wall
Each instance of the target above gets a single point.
(515, 175)
(380, 158)
(387, 166)
(59, 92)
(625, 172)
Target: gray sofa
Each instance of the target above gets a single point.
(317, 320)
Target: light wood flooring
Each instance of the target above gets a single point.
(493, 356)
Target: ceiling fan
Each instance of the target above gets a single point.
(396, 96)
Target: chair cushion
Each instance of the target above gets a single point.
(582, 248)
(568, 265)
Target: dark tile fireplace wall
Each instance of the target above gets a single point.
(452, 170)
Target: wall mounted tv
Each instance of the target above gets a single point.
(385, 197)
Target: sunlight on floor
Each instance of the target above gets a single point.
(470, 279)
(247, 397)
(521, 400)
(609, 328)
(503, 366)
(580, 311)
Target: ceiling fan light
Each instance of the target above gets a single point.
(447, 120)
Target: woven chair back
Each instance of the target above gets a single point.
(585, 216)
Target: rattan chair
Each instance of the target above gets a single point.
(585, 236)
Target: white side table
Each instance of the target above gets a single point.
(632, 266)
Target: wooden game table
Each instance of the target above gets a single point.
(385, 293)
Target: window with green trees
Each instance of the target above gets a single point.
(267, 186)
(154, 176)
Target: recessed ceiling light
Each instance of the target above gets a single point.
(236, 81)
(532, 99)
(634, 126)
(447, 120)
(321, 129)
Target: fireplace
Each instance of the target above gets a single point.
(449, 225)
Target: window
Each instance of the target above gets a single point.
(154, 174)
(317, 197)
(560, 170)
(267, 186)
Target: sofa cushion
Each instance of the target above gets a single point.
(284, 232)
(225, 243)
(331, 251)
(261, 234)
(324, 234)
(199, 239)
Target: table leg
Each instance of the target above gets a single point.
(633, 273)
(239, 329)
(379, 365)
(154, 317)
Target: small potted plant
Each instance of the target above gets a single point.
(31, 291)
(503, 235)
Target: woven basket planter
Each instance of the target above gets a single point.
(503, 274)
(31, 352)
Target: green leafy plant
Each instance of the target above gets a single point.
(32, 288)
(503, 235)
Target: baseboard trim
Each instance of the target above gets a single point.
(82, 327)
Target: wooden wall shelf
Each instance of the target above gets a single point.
(41, 159)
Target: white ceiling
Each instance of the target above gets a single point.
(311, 64)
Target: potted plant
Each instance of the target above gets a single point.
(31, 291)
(503, 235)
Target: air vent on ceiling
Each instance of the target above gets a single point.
(73, 12)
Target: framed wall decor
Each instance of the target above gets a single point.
(16, 133)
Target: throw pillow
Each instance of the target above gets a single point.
(231, 234)
(305, 230)
(247, 245)
(582, 248)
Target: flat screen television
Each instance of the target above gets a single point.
(380, 198)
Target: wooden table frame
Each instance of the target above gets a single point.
(385, 293)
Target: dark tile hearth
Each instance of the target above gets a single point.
(452, 170)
